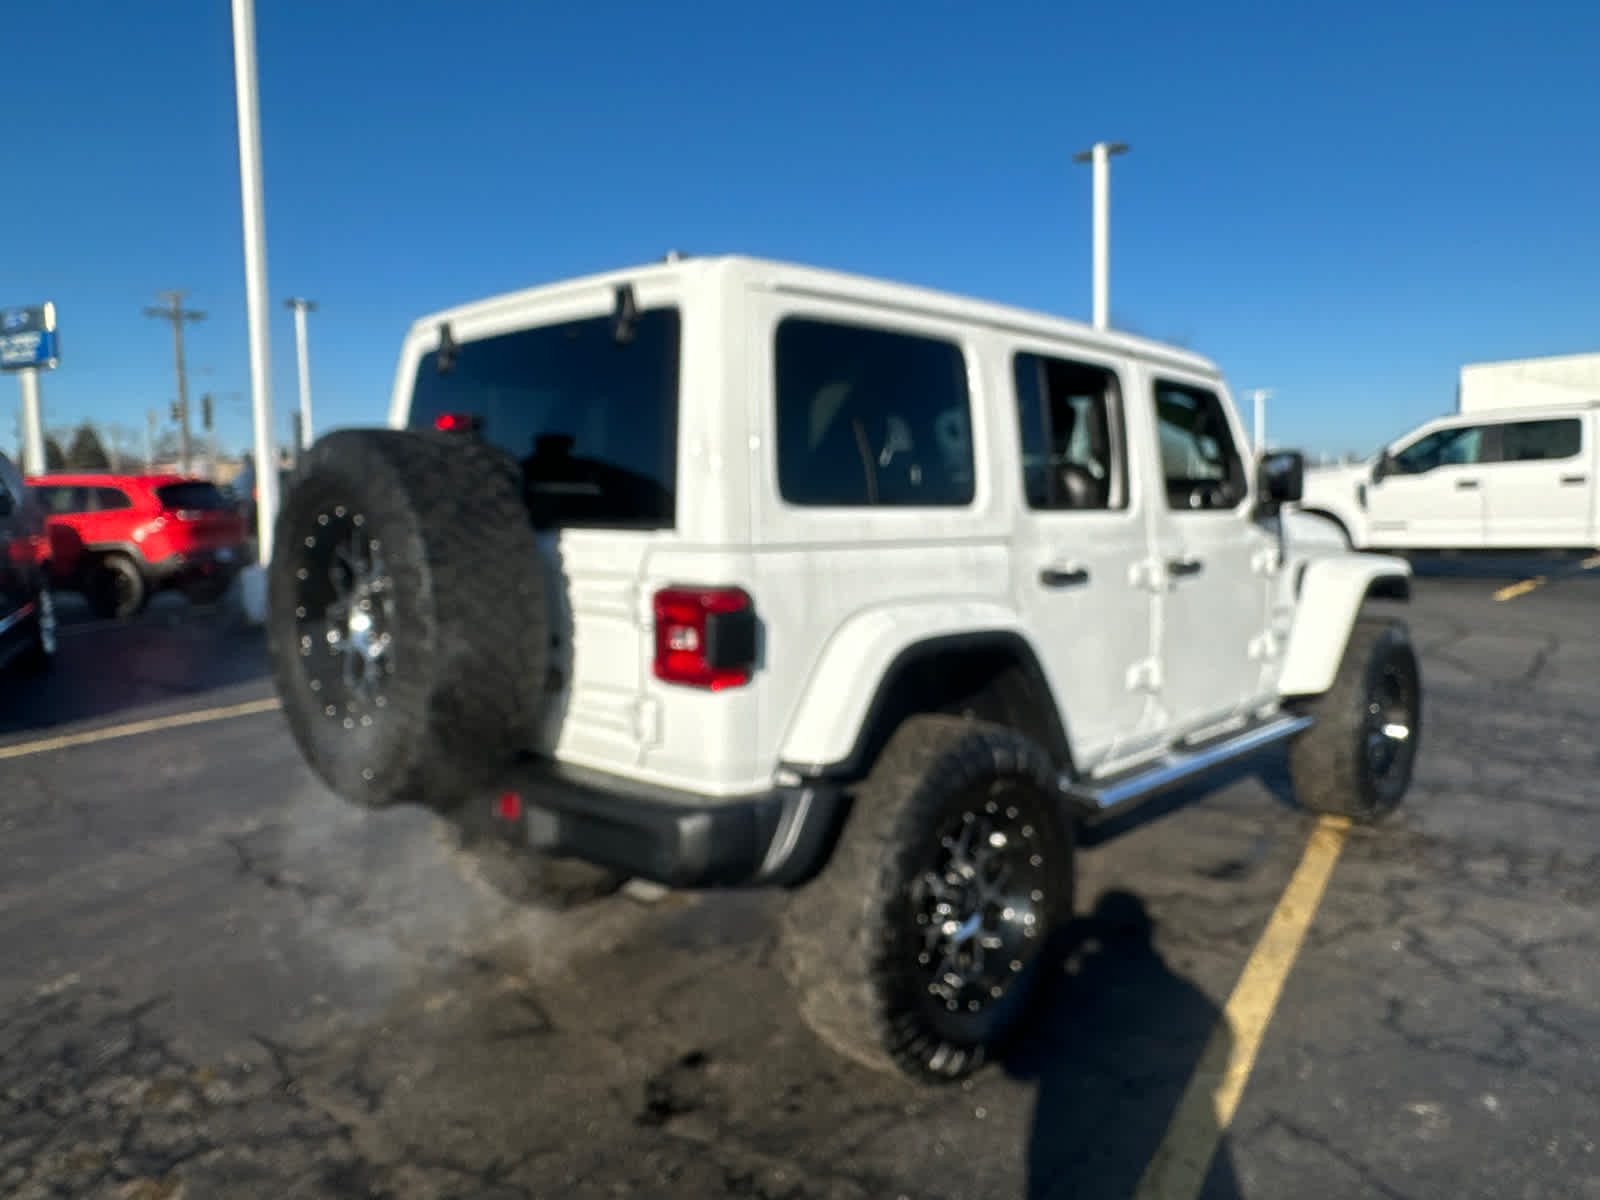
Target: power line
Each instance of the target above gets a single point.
(172, 310)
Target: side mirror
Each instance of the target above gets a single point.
(1282, 478)
(1383, 467)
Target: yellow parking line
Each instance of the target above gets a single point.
(1590, 563)
(1181, 1161)
(1519, 589)
(176, 721)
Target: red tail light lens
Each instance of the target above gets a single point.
(705, 637)
(457, 423)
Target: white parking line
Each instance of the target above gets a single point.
(202, 716)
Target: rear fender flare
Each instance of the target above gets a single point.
(843, 713)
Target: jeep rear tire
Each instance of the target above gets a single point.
(116, 588)
(918, 947)
(407, 615)
(1356, 761)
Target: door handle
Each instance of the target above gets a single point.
(1466, 485)
(1060, 577)
(1183, 566)
(1569, 480)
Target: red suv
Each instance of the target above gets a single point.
(119, 538)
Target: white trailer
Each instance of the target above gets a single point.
(1549, 382)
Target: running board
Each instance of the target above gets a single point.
(1180, 765)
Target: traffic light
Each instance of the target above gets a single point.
(205, 412)
(177, 413)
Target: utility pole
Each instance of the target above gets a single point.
(172, 310)
(301, 308)
(150, 439)
(1099, 154)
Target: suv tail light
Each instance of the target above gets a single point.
(705, 637)
(457, 423)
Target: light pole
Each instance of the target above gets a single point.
(1261, 396)
(301, 308)
(1100, 154)
(253, 584)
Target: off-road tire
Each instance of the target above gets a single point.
(851, 938)
(1334, 765)
(465, 606)
(117, 588)
(525, 877)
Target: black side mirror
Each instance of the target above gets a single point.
(1384, 466)
(1281, 477)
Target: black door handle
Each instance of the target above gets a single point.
(1056, 577)
(1183, 566)
(1568, 480)
(1466, 485)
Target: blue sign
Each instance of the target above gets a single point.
(28, 337)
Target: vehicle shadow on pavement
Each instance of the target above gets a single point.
(1115, 1039)
(102, 672)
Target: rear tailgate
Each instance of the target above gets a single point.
(204, 516)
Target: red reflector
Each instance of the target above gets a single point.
(509, 806)
(455, 422)
(696, 642)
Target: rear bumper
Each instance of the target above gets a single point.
(217, 562)
(683, 840)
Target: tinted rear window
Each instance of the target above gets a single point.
(594, 423)
(191, 497)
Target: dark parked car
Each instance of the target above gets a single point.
(27, 612)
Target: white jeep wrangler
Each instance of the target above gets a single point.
(724, 572)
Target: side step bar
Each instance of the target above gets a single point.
(1180, 765)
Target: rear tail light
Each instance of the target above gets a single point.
(457, 423)
(705, 637)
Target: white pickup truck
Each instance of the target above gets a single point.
(1508, 479)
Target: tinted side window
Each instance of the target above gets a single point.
(871, 417)
(594, 423)
(108, 499)
(1202, 466)
(64, 500)
(1533, 441)
(1459, 446)
(1068, 414)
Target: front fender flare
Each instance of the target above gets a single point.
(1330, 594)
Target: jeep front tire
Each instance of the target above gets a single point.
(1356, 761)
(918, 946)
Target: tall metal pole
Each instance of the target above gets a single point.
(301, 308)
(174, 311)
(255, 269)
(1262, 395)
(1100, 154)
(150, 439)
(32, 425)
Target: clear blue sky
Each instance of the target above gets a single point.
(1339, 202)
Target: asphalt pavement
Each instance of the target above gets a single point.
(222, 982)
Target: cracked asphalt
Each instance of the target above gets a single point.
(221, 982)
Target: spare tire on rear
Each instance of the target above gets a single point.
(407, 615)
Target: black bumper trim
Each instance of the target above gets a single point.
(682, 840)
